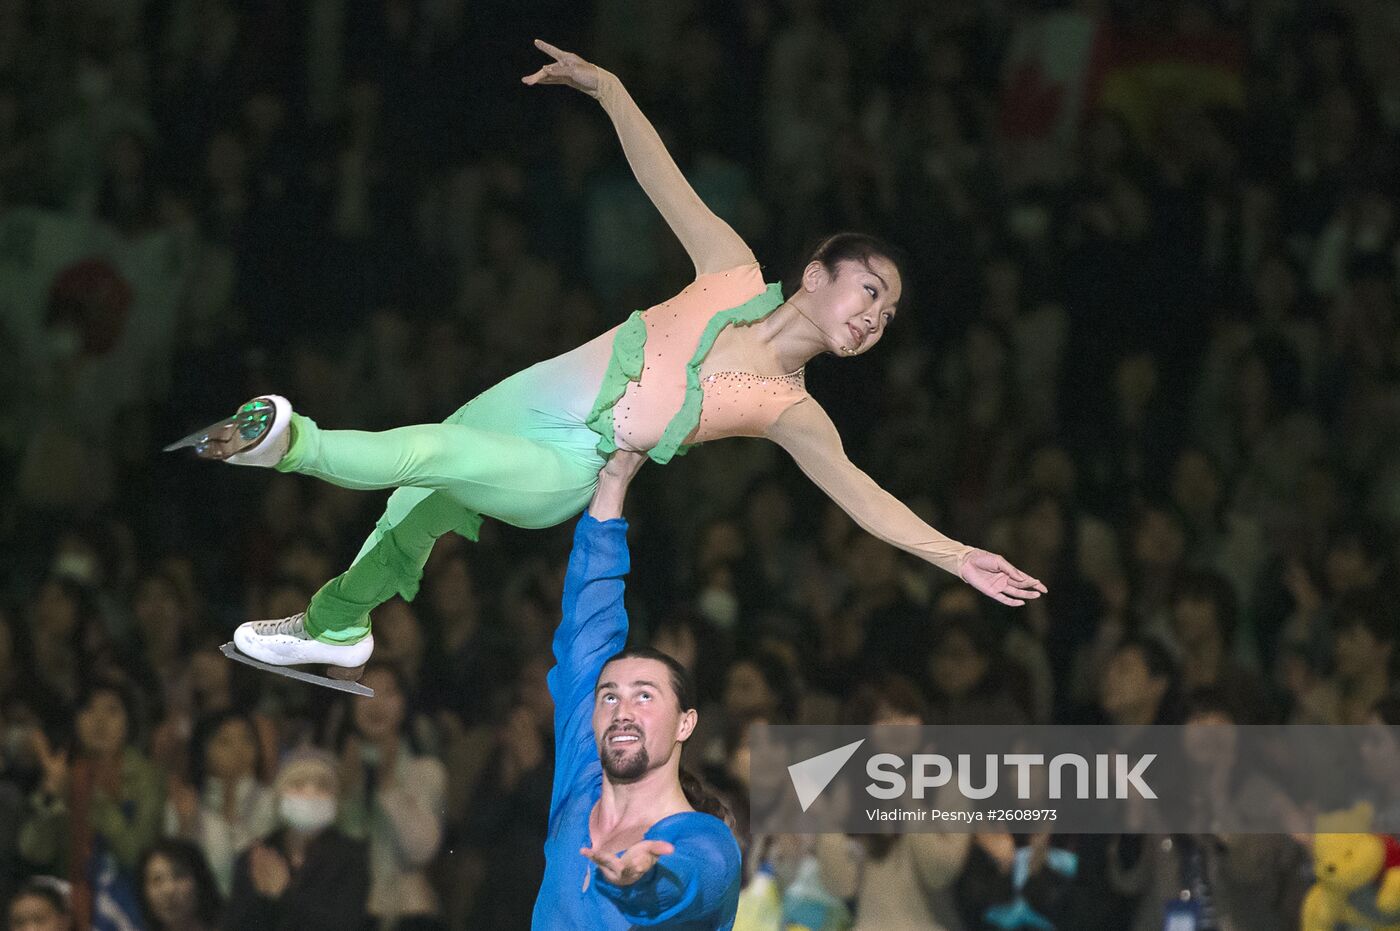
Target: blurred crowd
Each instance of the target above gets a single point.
(1148, 349)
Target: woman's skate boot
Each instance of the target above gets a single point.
(277, 645)
(255, 435)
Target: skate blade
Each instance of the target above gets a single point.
(200, 436)
(340, 685)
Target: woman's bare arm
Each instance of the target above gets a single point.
(710, 242)
(809, 436)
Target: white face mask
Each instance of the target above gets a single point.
(307, 814)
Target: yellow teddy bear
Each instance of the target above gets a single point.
(1358, 878)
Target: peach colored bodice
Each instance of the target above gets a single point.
(734, 403)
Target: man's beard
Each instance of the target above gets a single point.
(624, 767)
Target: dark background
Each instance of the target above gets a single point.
(1148, 350)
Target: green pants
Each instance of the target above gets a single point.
(446, 477)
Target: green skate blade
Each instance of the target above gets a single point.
(340, 685)
(199, 436)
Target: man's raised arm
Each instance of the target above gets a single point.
(594, 624)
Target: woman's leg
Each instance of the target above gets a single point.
(520, 480)
(390, 563)
(447, 476)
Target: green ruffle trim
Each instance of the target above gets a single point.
(624, 366)
(629, 354)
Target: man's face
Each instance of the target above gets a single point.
(637, 720)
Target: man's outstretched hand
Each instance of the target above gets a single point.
(635, 862)
(996, 578)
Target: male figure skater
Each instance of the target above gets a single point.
(626, 845)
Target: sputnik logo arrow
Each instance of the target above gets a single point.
(813, 775)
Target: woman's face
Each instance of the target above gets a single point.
(170, 891)
(36, 913)
(102, 725)
(853, 307)
(232, 752)
(380, 717)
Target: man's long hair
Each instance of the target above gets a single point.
(697, 791)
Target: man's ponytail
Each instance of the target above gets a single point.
(702, 797)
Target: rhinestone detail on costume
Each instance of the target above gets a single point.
(743, 404)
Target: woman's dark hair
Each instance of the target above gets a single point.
(697, 792)
(204, 732)
(51, 889)
(187, 860)
(855, 247)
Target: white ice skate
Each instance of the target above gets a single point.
(277, 645)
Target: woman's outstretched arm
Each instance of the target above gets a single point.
(809, 436)
(710, 242)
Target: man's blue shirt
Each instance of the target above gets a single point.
(697, 886)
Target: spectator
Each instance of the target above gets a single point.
(898, 881)
(393, 797)
(1254, 882)
(967, 675)
(306, 875)
(1365, 653)
(510, 803)
(225, 807)
(41, 904)
(1147, 340)
(1140, 685)
(1204, 623)
(177, 888)
(99, 802)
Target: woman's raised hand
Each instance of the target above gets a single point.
(996, 578)
(567, 68)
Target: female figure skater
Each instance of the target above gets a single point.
(722, 358)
